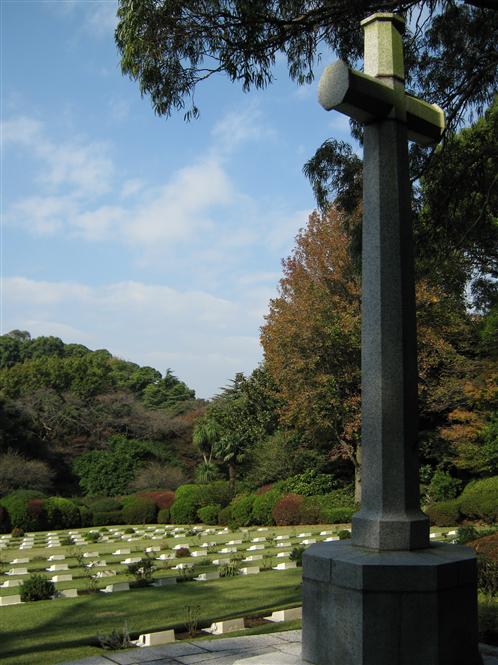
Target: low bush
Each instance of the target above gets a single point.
(334, 515)
(139, 510)
(17, 532)
(309, 483)
(182, 552)
(163, 516)
(442, 487)
(129, 530)
(297, 554)
(344, 534)
(19, 513)
(487, 576)
(116, 639)
(62, 513)
(36, 587)
(487, 544)
(86, 516)
(479, 500)
(209, 514)
(241, 510)
(142, 571)
(225, 516)
(287, 511)
(109, 518)
(92, 536)
(466, 533)
(216, 492)
(445, 513)
(189, 498)
(263, 506)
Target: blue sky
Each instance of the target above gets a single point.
(157, 239)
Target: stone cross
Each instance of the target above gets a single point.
(390, 516)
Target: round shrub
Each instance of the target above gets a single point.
(335, 515)
(17, 532)
(309, 483)
(263, 506)
(20, 515)
(36, 510)
(443, 487)
(209, 514)
(297, 554)
(163, 516)
(189, 498)
(182, 552)
(444, 513)
(344, 534)
(241, 510)
(86, 516)
(479, 500)
(109, 518)
(36, 587)
(62, 513)
(139, 510)
(287, 510)
(225, 516)
(217, 491)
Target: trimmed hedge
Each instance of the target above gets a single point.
(336, 515)
(163, 516)
(20, 515)
(444, 513)
(104, 504)
(287, 511)
(209, 514)
(216, 492)
(4, 520)
(241, 510)
(189, 498)
(107, 518)
(139, 510)
(62, 513)
(479, 500)
(162, 498)
(263, 506)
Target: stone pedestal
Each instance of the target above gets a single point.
(362, 607)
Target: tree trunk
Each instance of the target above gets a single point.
(357, 474)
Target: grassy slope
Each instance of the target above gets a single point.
(63, 630)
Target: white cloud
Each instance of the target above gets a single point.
(101, 19)
(204, 338)
(238, 127)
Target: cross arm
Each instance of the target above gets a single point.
(366, 99)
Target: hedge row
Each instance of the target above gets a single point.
(478, 501)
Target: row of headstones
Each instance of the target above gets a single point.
(285, 542)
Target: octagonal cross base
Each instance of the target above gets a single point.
(362, 607)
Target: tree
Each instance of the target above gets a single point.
(18, 472)
(311, 340)
(170, 47)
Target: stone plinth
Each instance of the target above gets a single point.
(362, 607)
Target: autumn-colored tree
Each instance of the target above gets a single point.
(311, 339)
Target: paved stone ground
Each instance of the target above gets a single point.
(225, 652)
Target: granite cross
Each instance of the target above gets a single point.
(390, 516)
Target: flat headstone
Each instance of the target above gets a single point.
(254, 557)
(17, 571)
(154, 548)
(24, 560)
(10, 600)
(286, 615)
(223, 627)
(61, 578)
(10, 583)
(165, 557)
(206, 577)
(132, 559)
(118, 586)
(227, 550)
(286, 565)
(155, 639)
(68, 593)
(220, 562)
(57, 566)
(253, 548)
(258, 540)
(88, 555)
(250, 570)
(56, 557)
(198, 553)
(124, 550)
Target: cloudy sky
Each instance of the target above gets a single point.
(157, 239)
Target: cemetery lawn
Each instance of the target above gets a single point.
(49, 632)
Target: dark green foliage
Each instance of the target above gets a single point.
(217, 491)
(104, 504)
(466, 533)
(225, 516)
(4, 520)
(442, 487)
(18, 509)
(86, 516)
(36, 587)
(129, 530)
(189, 498)
(62, 513)
(163, 516)
(230, 569)
(182, 552)
(344, 534)
(241, 510)
(297, 554)
(209, 514)
(110, 471)
(116, 639)
(108, 518)
(263, 506)
(479, 500)
(142, 570)
(139, 510)
(445, 513)
(487, 575)
(310, 483)
(92, 536)
(334, 515)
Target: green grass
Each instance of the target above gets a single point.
(58, 631)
